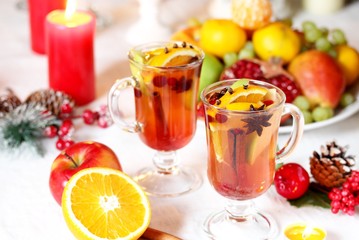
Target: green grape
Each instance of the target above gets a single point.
(346, 99)
(312, 35)
(287, 21)
(323, 44)
(248, 45)
(229, 59)
(302, 103)
(330, 112)
(324, 31)
(332, 52)
(246, 53)
(338, 37)
(307, 116)
(308, 25)
(322, 113)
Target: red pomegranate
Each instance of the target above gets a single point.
(270, 72)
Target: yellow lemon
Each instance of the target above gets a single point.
(221, 36)
(348, 59)
(276, 40)
(103, 203)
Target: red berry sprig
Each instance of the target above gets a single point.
(89, 116)
(101, 117)
(61, 143)
(346, 198)
(66, 108)
(66, 129)
(51, 131)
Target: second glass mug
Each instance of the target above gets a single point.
(242, 154)
(165, 102)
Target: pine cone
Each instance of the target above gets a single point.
(8, 102)
(50, 99)
(331, 167)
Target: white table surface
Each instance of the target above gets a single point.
(27, 209)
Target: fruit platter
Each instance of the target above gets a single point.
(314, 65)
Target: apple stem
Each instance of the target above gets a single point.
(70, 158)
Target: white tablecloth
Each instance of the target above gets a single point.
(27, 209)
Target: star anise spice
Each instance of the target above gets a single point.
(257, 123)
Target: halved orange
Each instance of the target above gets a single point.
(103, 203)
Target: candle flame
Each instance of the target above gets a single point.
(70, 8)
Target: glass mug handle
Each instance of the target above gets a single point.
(113, 107)
(297, 131)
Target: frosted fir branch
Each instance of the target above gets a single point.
(22, 150)
(25, 123)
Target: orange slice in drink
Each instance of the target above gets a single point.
(243, 106)
(103, 203)
(170, 56)
(247, 93)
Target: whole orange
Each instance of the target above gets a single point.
(276, 40)
(221, 36)
(348, 59)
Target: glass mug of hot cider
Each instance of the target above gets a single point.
(242, 121)
(165, 78)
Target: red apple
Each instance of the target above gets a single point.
(77, 157)
(319, 77)
(291, 180)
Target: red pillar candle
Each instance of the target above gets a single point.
(71, 55)
(38, 9)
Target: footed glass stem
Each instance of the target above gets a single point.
(240, 218)
(166, 178)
